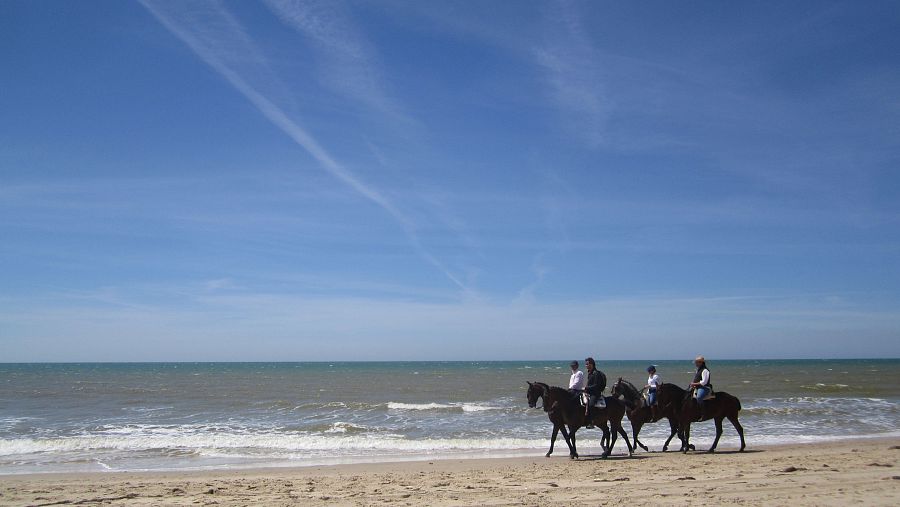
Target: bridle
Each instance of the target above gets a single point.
(540, 396)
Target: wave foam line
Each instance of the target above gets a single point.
(260, 443)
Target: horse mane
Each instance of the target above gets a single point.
(633, 392)
(631, 386)
(558, 390)
(545, 389)
(674, 387)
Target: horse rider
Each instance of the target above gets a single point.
(701, 383)
(576, 381)
(653, 383)
(596, 383)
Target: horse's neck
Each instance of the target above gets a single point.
(546, 398)
(678, 390)
(631, 392)
(557, 394)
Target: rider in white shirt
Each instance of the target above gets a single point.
(576, 381)
(653, 383)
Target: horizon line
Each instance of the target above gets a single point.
(432, 361)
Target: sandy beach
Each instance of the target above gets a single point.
(840, 473)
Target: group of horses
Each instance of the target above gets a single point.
(673, 403)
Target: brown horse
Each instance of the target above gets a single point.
(668, 406)
(565, 410)
(721, 407)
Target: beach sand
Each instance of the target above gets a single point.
(831, 473)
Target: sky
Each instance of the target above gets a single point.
(410, 180)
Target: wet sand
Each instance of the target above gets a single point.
(831, 473)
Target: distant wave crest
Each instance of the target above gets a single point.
(463, 407)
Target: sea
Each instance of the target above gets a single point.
(194, 416)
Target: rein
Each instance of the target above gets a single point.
(544, 393)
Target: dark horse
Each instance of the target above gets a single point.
(721, 407)
(669, 398)
(565, 410)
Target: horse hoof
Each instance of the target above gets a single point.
(691, 447)
(665, 448)
(711, 451)
(741, 450)
(548, 454)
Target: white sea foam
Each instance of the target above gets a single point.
(301, 449)
(344, 427)
(465, 407)
(256, 444)
(418, 406)
(473, 407)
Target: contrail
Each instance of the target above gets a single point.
(203, 49)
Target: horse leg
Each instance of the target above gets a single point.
(635, 429)
(606, 437)
(718, 421)
(604, 440)
(552, 440)
(686, 437)
(625, 436)
(673, 427)
(615, 436)
(565, 433)
(572, 437)
(739, 428)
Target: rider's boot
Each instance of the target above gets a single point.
(587, 418)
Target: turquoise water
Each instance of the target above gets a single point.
(64, 417)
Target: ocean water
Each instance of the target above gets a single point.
(179, 416)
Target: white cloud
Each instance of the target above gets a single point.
(349, 63)
(268, 326)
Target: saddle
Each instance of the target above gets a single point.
(645, 397)
(711, 395)
(601, 401)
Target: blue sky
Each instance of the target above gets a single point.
(448, 180)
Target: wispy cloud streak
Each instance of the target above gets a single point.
(570, 64)
(218, 39)
(350, 64)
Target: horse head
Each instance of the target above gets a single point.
(625, 388)
(534, 393)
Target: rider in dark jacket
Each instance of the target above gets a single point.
(702, 384)
(596, 383)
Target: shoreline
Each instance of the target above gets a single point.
(833, 472)
(463, 456)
